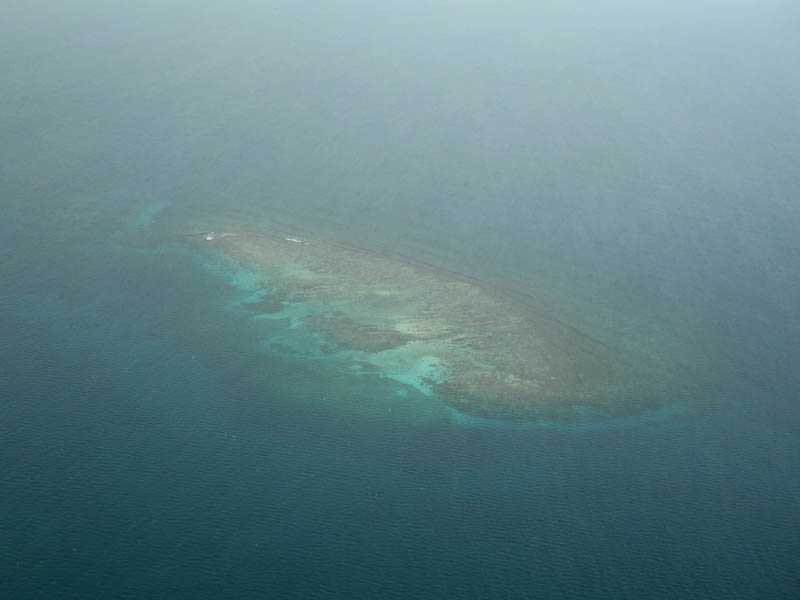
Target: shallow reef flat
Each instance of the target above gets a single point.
(481, 350)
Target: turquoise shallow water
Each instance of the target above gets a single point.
(631, 170)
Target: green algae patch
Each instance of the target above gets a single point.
(477, 348)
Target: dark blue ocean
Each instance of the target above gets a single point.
(633, 166)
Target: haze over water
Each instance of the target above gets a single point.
(630, 167)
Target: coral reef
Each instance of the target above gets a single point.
(481, 350)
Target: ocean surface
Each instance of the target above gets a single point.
(631, 166)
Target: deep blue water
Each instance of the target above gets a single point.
(632, 167)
